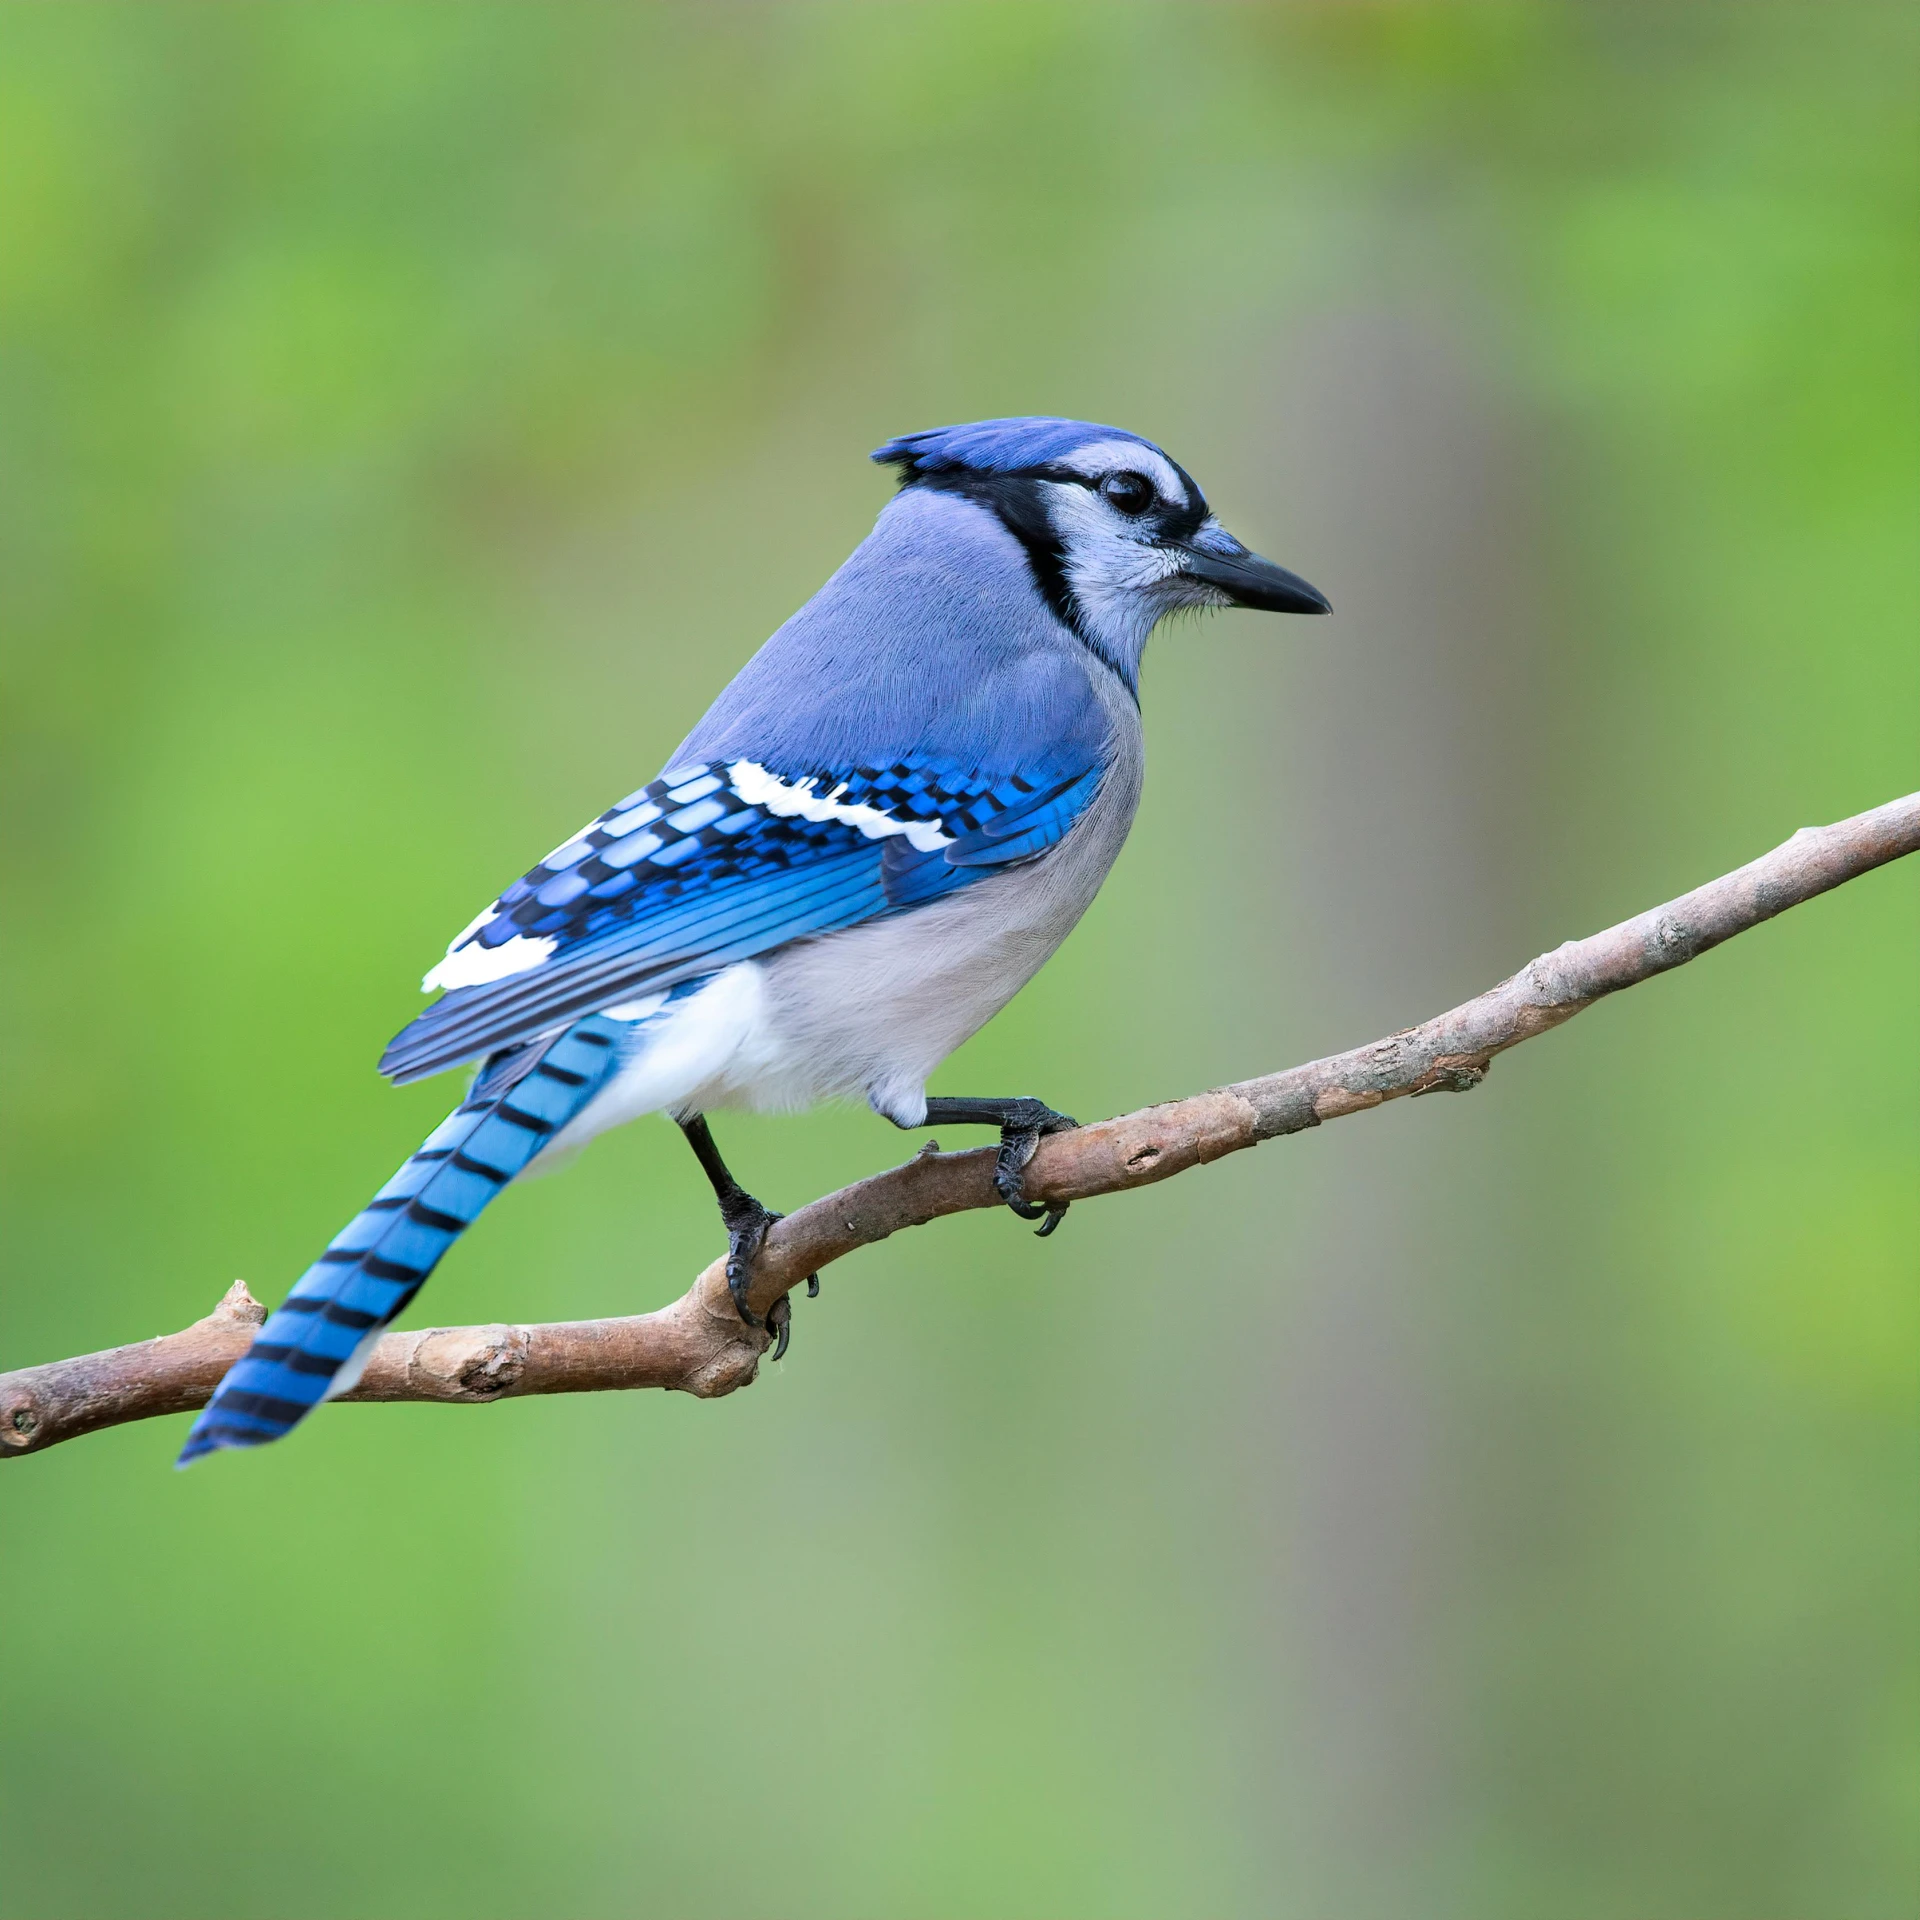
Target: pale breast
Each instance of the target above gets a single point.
(873, 1011)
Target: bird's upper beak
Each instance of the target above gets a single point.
(1213, 555)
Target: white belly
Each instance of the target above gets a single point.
(875, 1010)
(713, 1047)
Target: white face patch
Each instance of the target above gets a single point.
(1128, 456)
(476, 966)
(1122, 581)
(797, 800)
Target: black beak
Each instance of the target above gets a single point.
(1246, 579)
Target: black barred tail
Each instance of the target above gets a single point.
(316, 1344)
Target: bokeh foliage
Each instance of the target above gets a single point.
(412, 414)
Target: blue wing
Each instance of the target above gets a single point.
(717, 862)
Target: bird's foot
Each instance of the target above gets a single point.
(1020, 1130)
(747, 1223)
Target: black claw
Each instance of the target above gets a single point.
(1021, 1124)
(738, 1277)
(744, 1242)
(746, 1234)
(1019, 1141)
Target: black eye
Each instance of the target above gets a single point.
(1130, 492)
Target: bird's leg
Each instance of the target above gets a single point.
(1021, 1123)
(746, 1222)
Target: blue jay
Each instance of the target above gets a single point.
(880, 831)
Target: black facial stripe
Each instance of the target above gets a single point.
(1181, 523)
(1015, 502)
(1000, 490)
(1170, 522)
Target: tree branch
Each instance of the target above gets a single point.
(699, 1345)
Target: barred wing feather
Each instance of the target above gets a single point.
(716, 863)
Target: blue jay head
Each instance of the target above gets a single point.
(1118, 534)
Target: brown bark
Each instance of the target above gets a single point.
(699, 1345)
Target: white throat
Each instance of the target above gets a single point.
(1123, 587)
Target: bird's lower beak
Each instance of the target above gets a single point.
(1217, 558)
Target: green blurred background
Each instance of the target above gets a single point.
(1503, 1507)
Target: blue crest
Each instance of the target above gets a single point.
(997, 446)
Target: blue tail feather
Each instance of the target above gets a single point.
(317, 1341)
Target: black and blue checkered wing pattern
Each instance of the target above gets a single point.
(716, 863)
